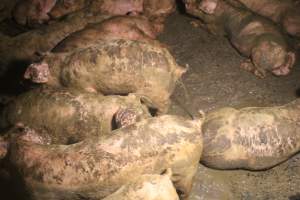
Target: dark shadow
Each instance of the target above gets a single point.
(12, 186)
(295, 197)
(180, 6)
(298, 92)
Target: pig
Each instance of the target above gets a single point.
(95, 168)
(157, 11)
(251, 138)
(30, 46)
(65, 7)
(147, 187)
(286, 13)
(33, 12)
(70, 116)
(120, 27)
(253, 36)
(113, 67)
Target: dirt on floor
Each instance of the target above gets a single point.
(214, 80)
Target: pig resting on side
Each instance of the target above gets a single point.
(70, 116)
(113, 67)
(120, 27)
(147, 187)
(286, 13)
(253, 36)
(253, 138)
(95, 168)
(33, 12)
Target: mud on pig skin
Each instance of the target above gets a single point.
(253, 36)
(95, 168)
(28, 47)
(120, 27)
(253, 138)
(69, 116)
(286, 13)
(147, 187)
(114, 67)
(33, 12)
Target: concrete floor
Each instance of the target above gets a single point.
(214, 80)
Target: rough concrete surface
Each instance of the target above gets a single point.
(214, 80)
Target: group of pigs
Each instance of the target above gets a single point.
(95, 124)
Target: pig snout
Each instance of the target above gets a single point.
(37, 73)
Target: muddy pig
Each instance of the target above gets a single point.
(70, 116)
(157, 11)
(253, 36)
(113, 67)
(253, 138)
(147, 187)
(120, 27)
(33, 12)
(95, 168)
(65, 7)
(29, 46)
(286, 13)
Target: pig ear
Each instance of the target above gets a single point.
(285, 68)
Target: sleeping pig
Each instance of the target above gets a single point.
(252, 35)
(286, 13)
(28, 47)
(69, 116)
(120, 27)
(113, 67)
(33, 12)
(95, 168)
(254, 138)
(147, 187)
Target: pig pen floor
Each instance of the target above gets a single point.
(214, 80)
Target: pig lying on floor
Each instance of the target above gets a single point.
(253, 36)
(28, 46)
(253, 138)
(95, 168)
(286, 13)
(147, 187)
(121, 27)
(113, 67)
(69, 116)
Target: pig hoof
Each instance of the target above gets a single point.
(37, 72)
(125, 117)
(249, 66)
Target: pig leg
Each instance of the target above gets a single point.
(250, 67)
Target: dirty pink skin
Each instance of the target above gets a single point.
(117, 7)
(120, 27)
(32, 12)
(285, 12)
(64, 7)
(257, 38)
(39, 72)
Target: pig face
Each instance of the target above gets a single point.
(269, 56)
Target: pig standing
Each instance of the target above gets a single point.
(120, 27)
(113, 67)
(69, 116)
(95, 168)
(254, 138)
(253, 36)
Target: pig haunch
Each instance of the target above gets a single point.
(95, 168)
(70, 117)
(254, 138)
(114, 67)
